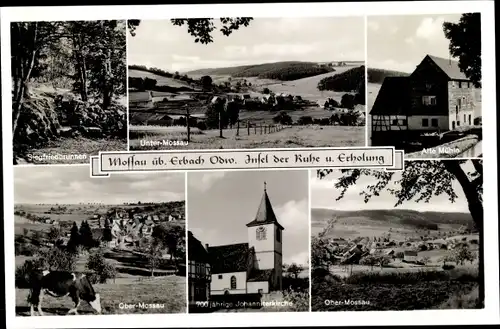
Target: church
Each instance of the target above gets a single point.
(254, 266)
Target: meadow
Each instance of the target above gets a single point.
(290, 137)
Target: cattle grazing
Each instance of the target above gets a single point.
(62, 284)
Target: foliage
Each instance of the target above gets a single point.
(299, 300)
(212, 116)
(106, 234)
(266, 91)
(57, 259)
(201, 28)
(171, 236)
(74, 239)
(463, 254)
(465, 43)
(54, 233)
(206, 81)
(294, 269)
(102, 269)
(283, 118)
(378, 75)
(24, 274)
(347, 81)
(232, 112)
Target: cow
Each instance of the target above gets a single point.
(62, 284)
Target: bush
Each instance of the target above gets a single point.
(448, 267)
(100, 267)
(299, 300)
(201, 125)
(305, 120)
(25, 273)
(283, 118)
(25, 249)
(57, 259)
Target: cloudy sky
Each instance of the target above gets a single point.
(220, 204)
(72, 185)
(160, 44)
(401, 42)
(323, 195)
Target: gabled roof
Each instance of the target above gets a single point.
(265, 213)
(260, 275)
(196, 251)
(229, 258)
(449, 67)
(393, 97)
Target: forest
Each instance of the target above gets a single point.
(69, 79)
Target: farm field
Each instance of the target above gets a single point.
(294, 136)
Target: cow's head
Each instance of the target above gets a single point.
(96, 303)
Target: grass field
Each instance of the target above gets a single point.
(169, 291)
(295, 136)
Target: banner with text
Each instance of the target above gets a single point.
(155, 161)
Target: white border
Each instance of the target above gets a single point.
(489, 315)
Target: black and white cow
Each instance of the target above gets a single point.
(62, 284)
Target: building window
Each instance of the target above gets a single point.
(428, 100)
(260, 233)
(425, 122)
(434, 122)
(220, 277)
(233, 282)
(470, 119)
(404, 122)
(458, 123)
(459, 103)
(453, 125)
(468, 85)
(459, 84)
(394, 122)
(465, 118)
(278, 234)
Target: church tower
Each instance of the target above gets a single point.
(265, 235)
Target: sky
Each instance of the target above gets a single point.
(72, 185)
(400, 43)
(323, 195)
(220, 204)
(158, 43)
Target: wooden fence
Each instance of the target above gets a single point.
(250, 128)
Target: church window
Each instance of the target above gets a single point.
(261, 233)
(278, 235)
(233, 282)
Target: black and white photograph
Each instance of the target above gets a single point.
(398, 241)
(86, 246)
(245, 83)
(248, 241)
(68, 90)
(424, 84)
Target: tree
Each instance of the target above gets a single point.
(233, 112)
(266, 91)
(463, 254)
(169, 235)
(74, 239)
(465, 43)
(201, 28)
(420, 181)
(85, 232)
(106, 234)
(206, 81)
(295, 269)
(369, 260)
(154, 255)
(54, 233)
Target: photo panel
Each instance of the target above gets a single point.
(248, 241)
(68, 90)
(398, 241)
(424, 84)
(88, 246)
(246, 83)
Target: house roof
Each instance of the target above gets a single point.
(196, 250)
(393, 97)
(449, 67)
(265, 213)
(229, 258)
(260, 275)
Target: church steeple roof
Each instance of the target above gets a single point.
(265, 213)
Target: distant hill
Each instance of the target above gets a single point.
(350, 80)
(378, 75)
(396, 217)
(284, 71)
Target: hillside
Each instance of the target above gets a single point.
(378, 75)
(284, 71)
(161, 80)
(395, 218)
(347, 81)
